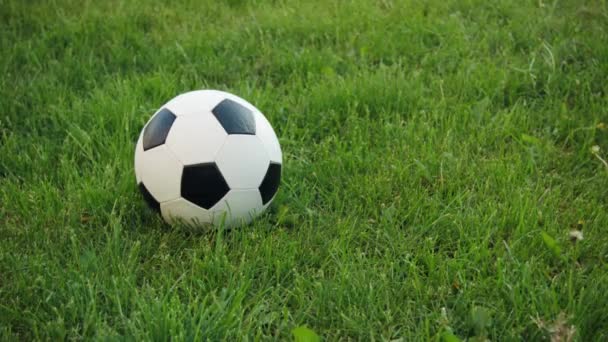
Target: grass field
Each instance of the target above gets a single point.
(437, 156)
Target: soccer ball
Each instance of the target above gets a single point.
(208, 157)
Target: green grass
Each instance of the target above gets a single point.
(437, 155)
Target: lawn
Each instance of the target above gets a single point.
(437, 157)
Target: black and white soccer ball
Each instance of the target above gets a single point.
(208, 157)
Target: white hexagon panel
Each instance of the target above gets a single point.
(196, 138)
(160, 172)
(237, 208)
(183, 211)
(269, 139)
(243, 161)
(139, 148)
(195, 102)
(157, 170)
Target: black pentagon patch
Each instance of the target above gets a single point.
(158, 128)
(203, 184)
(152, 202)
(271, 182)
(235, 118)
